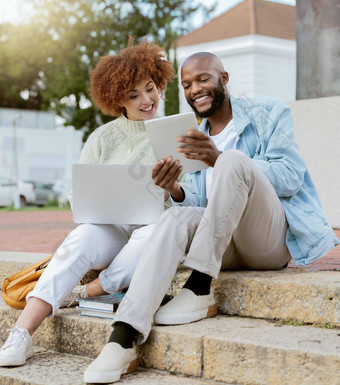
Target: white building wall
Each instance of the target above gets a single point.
(27, 118)
(42, 155)
(257, 66)
(275, 76)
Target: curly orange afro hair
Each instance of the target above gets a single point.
(114, 75)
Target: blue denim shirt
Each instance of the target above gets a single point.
(266, 134)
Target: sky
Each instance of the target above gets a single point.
(10, 9)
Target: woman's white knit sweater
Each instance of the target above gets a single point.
(121, 141)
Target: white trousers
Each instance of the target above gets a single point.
(243, 226)
(92, 247)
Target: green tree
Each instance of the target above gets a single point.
(171, 95)
(20, 70)
(78, 34)
(45, 63)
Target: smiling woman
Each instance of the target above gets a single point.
(142, 101)
(116, 80)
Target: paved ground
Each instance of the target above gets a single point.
(38, 231)
(43, 232)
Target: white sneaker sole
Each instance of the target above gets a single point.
(110, 376)
(13, 361)
(185, 318)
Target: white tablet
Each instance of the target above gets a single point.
(163, 133)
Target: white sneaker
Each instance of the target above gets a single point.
(186, 307)
(17, 349)
(78, 292)
(112, 362)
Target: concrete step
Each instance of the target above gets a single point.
(227, 349)
(47, 368)
(307, 296)
(53, 368)
(11, 262)
(246, 351)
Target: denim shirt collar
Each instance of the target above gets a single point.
(240, 117)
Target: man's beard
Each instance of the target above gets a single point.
(218, 97)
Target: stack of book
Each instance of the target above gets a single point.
(103, 306)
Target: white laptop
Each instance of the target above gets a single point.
(115, 194)
(163, 133)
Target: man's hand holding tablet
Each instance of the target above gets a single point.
(197, 145)
(165, 175)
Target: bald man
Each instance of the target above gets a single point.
(255, 207)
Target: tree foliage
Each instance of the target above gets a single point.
(45, 62)
(171, 94)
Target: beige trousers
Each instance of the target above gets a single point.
(243, 226)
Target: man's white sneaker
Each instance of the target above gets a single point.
(112, 362)
(17, 348)
(78, 292)
(186, 307)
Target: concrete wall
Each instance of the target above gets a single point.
(318, 48)
(317, 127)
(42, 155)
(257, 66)
(27, 118)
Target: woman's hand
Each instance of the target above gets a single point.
(165, 174)
(197, 145)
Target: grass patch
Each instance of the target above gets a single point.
(295, 322)
(52, 205)
(324, 325)
(289, 321)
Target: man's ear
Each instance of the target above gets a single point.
(225, 77)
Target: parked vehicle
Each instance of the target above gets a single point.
(62, 188)
(43, 193)
(7, 190)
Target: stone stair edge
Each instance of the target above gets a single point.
(62, 368)
(307, 296)
(192, 349)
(69, 322)
(238, 285)
(21, 256)
(21, 260)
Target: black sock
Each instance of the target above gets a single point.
(124, 334)
(199, 283)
